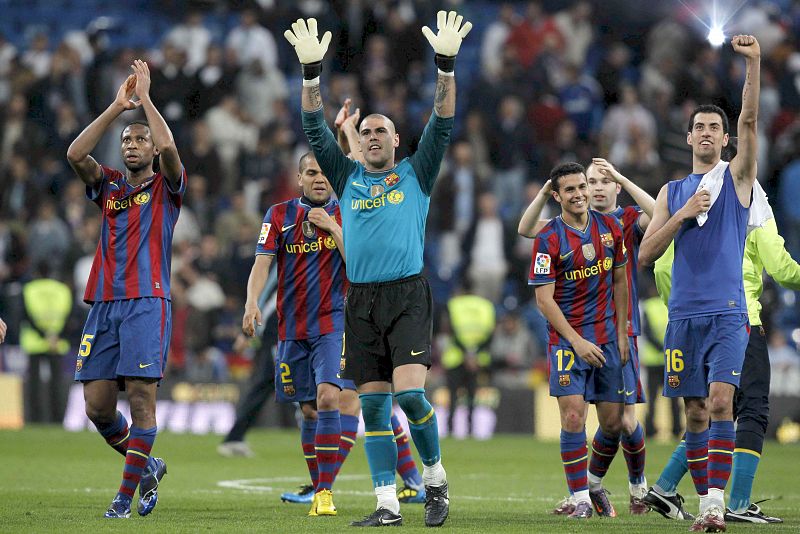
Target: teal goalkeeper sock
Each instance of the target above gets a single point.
(745, 463)
(422, 423)
(378, 437)
(673, 472)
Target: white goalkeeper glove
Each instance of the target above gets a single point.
(447, 42)
(309, 49)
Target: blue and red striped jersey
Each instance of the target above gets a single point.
(581, 263)
(633, 234)
(311, 272)
(134, 255)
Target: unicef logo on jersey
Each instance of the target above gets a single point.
(392, 197)
(142, 198)
(601, 267)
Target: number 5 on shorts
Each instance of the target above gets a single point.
(86, 345)
(674, 361)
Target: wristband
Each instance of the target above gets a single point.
(311, 83)
(443, 73)
(312, 70)
(445, 63)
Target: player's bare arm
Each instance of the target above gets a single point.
(79, 152)
(310, 51)
(641, 197)
(531, 223)
(3, 329)
(662, 228)
(446, 44)
(621, 309)
(586, 350)
(170, 162)
(322, 219)
(255, 285)
(347, 132)
(743, 166)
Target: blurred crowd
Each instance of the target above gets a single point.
(539, 82)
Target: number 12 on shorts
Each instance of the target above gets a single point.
(674, 360)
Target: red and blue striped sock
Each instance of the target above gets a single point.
(406, 466)
(634, 451)
(116, 434)
(697, 456)
(139, 445)
(604, 448)
(308, 432)
(574, 456)
(721, 440)
(326, 446)
(349, 425)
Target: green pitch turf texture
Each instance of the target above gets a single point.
(57, 481)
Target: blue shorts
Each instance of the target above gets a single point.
(570, 375)
(701, 350)
(634, 393)
(303, 364)
(125, 338)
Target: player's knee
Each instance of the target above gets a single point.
(572, 420)
(720, 407)
(309, 411)
(413, 403)
(100, 415)
(611, 426)
(377, 410)
(629, 424)
(327, 397)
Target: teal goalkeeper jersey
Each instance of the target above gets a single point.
(383, 213)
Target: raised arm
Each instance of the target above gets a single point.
(347, 132)
(310, 51)
(663, 227)
(427, 160)
(743, 165)
(641, 197)
(79, 151)
(531, 223)
(170, 161)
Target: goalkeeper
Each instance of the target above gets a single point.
(388, 311)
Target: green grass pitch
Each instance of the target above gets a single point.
(56, 481)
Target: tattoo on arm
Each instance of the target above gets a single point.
(440, 95)
(315, 97)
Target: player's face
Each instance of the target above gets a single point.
(315, 185)
(603, 191)
(573, 194)
(138, 150)
(707, 137)
(378, 140)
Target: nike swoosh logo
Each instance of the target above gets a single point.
(734, 373)
(359, 185)
(629, 393)
(565, 256)
(143, 365)
(620, 391)
(385, 521)
(413, 353)
(284, 228)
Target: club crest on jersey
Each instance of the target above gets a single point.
(588, 251)
(262, 237)
(607, 239)
(541, 264)
(342, 364)
(309, 230)
(376, 190)
(674, 381)
(288, 390)
(78, 365)
(395, 197)
(142, 198)
(392, 179)
(330, 244)
(563, 380)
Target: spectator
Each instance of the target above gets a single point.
(251, 41)
(193, 38)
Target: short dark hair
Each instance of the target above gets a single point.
(137, 121)
(564, 169)
(709, 108)
(303, 159)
